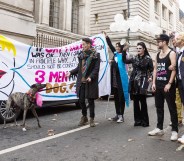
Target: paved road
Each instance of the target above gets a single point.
(108, 141)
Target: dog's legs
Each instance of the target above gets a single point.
(35, 114)
(24, 118)
(15, 120)
(4, 126)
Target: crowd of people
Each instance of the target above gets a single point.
(166, 75)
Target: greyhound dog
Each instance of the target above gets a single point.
(24, 101)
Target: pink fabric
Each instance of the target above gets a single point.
(39, 101)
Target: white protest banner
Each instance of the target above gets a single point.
(22, 65)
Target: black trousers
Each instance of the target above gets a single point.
(83, 103)
(119, 102)
(160, 97)
(140, 109)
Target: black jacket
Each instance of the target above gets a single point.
(142, 70)
(91, 89)
(181, 67)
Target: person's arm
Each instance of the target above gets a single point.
(150, 68)
(125, 59)
(75, 71)
(173, 63)
(172, 57)
(110, 44)
(154, 76)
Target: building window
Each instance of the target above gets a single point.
(75, 16)
(156, 5)
(170, 17)
(96, 18)
(54, 13)
(164, 10)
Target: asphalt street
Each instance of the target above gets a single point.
(108, 141)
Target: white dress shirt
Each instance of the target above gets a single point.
(179, 61)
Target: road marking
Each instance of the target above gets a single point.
(42, 140)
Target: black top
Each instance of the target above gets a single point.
(163, 73)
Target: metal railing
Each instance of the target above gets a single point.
(44, 40)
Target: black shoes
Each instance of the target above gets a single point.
(140, 123)
(144, 125)
(137, 124)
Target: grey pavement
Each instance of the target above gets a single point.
(108, 141)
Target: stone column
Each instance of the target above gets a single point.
(84, 17)
(45, 10)
(67, 15)
(81, 23)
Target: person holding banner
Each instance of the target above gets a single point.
(119, 81)
(139, 82)
(87, 79)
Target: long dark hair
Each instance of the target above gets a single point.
(144, 47)
(121, 46)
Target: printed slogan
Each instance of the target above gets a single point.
(50, 66)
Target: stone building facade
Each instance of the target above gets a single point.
(165, 13)
(59, 22)
(45, 22)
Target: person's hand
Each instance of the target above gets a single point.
(103, 32)
(88, 79)
(150, 80)
(68, 74)
(172, 67)
(126, 46)
(110, 61)
(167, 87)
(172, 34)
(153, 87)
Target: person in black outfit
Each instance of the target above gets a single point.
(87, 79)
(139, 81)
(116, 81)
(164, 86)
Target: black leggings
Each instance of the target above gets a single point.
(119, 102)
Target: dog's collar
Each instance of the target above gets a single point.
(31, 96)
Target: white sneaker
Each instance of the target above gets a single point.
(174, 136)
(115, 118)
(181, 139)
(120, 119)
(156, 131)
